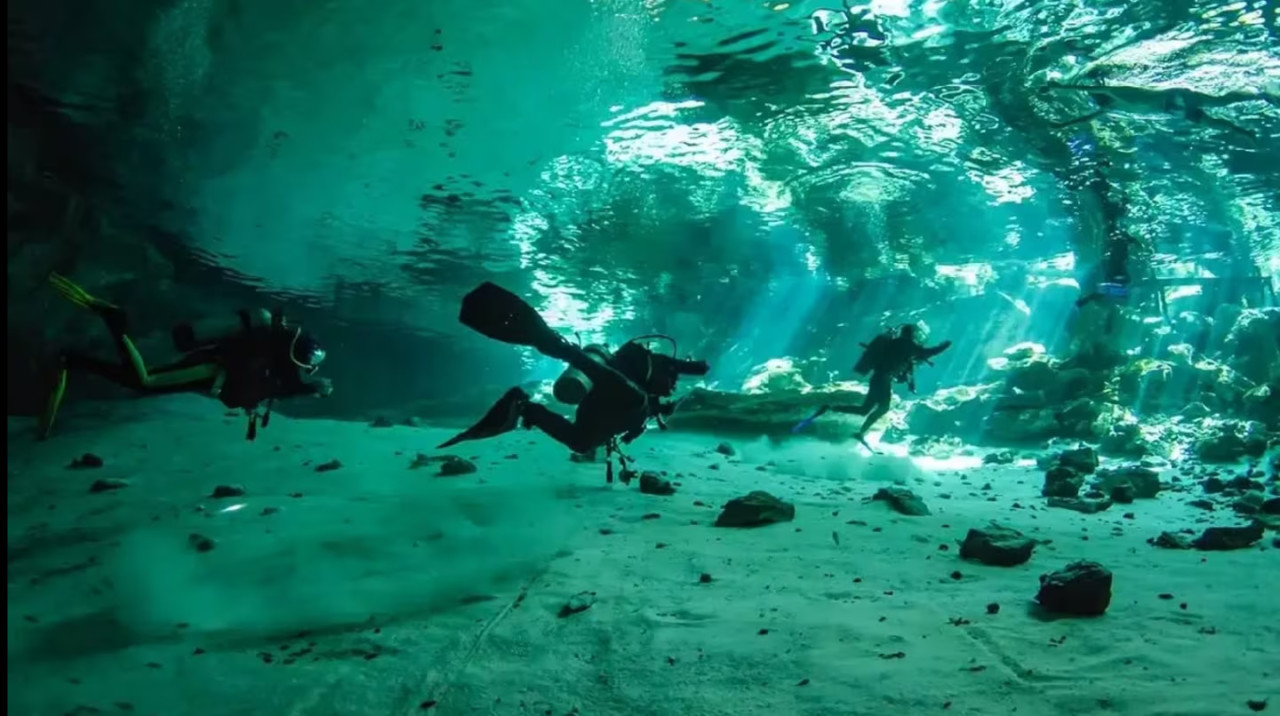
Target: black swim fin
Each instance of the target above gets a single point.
(50, 414)
(503, 316)
(860, 438)
(501, 418)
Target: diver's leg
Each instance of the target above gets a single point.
(878, 389)
(877, 412)
(879, 396)
(561, 429)
(123, 376)
(169, 378)
(502, 417)
(117, 323)
(1087, 299)
(53, 402)
(1078, 120)
(79, 362)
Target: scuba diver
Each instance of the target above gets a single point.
(890, 358)
(1175, 101)
(616, 393)
(1111, 277)
(244, 360)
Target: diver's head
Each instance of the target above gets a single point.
(306, 352)
(663, 375)
(656, 373)
(908, 331)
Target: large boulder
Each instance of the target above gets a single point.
(951, 412)
(1231, 440)
(1253, 345)
(725, 413)
(779, 375)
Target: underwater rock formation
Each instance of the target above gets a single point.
(1080, 589)
(651, 483)
(902, 500)
(1143, 482)
(1215, 539)
(997, 546)
(756, 509)
(1062, 481)
(765, 413)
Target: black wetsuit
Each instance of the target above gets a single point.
(626, 392)
(123, 373)
(626, 389)
(255, 365)
(896, 363)
(1115, 267)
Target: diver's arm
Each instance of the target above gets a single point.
(923, 353)
(296, 386)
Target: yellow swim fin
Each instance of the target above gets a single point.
(80, 297)
(55, 401)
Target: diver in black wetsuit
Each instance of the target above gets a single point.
(1112, 277)
(889, 358)
(1175, 101)
(616, 393)
(253, 357)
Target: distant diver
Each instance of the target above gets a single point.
(243, 360)
(890, 357)
(1175, 101)
(616, 393)
(1112, 278)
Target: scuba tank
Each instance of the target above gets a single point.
(872, 355)
(191, 336)
(573, 385)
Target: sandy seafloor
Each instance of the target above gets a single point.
(380, 589)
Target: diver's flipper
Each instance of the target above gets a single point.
(803, 424)
(80, 297)
(45, 427)
(503, 316)
(111, 313)
(501, 418)
(865, 444)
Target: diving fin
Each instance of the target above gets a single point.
(50, 414)
(69, 290)
(865, 444)
(111, 313)
(804, 424)
(495, 312)
(501, 418)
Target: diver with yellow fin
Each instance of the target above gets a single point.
(616, 393)
(245, 360)
(890, 358)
